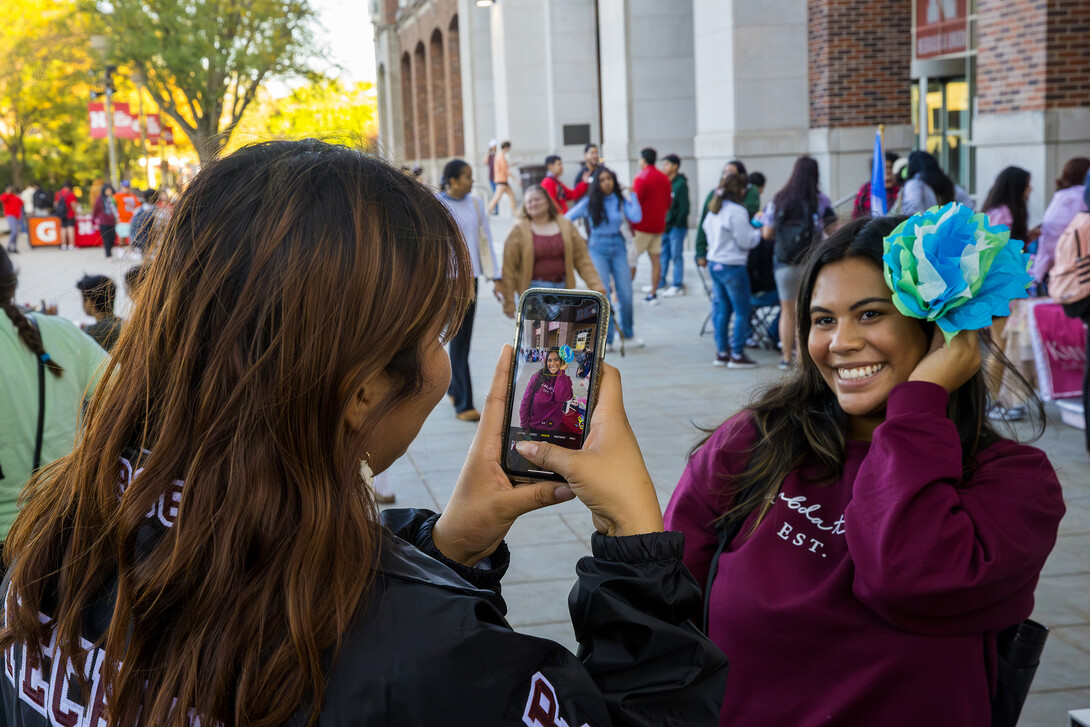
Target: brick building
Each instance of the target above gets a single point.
(980, 83)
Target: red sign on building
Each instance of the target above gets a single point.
(942, 27)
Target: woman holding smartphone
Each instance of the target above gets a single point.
(884, 525)
(210, 550)
(549, 389)
(605, 209)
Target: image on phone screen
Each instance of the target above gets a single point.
(555, 363)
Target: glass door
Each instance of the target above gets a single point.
(948, 112)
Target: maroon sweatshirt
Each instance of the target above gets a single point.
(544, 408)
(873, 600)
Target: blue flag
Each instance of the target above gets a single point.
(879, 205)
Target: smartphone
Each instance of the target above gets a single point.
(560, 338)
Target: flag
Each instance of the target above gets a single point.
(879, 205)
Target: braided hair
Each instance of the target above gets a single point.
(28, 332)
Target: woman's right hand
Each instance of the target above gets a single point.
(608, 474)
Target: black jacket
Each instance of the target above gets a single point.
(430, 645)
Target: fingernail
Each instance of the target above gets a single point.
(563, 493)
(526, 449)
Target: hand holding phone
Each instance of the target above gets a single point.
(485, 504)
(608, 474)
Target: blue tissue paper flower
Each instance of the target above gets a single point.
(948, 265)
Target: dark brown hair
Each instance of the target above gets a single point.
(1074, 173)
(799, 422)
(732, 188)
(290, 272)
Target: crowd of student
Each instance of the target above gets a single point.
(239, 406)
(126, 213)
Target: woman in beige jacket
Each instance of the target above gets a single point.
(543, 250)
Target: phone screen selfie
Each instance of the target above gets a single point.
(553, 385)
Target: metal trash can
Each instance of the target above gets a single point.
(531, 174)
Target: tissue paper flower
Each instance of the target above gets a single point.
(948, 265)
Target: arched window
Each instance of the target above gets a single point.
(407, 112)
(454, 67)
(420, 89)
(440, 118)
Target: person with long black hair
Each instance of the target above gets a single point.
(1006, 203)
(796, 218)
(457, 196)
(927, 185)
(884, 526)
(606, 208)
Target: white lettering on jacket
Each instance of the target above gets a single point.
(542, 706)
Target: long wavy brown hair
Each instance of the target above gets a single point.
(288, 274)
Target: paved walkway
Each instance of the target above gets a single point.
(671, 391)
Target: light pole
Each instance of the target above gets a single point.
(138, 81)
(101, 45)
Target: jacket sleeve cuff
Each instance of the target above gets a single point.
(917, 397)
(638, 549)
(486, 574)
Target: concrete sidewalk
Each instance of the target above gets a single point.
(672, 391)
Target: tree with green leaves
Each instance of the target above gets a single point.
(45, 71)
(203, 61)
(325, 108)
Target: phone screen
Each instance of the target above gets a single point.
(553, 385)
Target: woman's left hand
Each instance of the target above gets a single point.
(497, 291)
(949, 366)
(485, 504)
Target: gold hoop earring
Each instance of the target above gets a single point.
(367, 475)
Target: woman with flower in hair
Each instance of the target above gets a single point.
(210, 552)
(882, 525)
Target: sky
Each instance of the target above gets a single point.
(347, 30)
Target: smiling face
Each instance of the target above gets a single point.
(605, 183)
(552, 362)
(537, 206)
(860, 343)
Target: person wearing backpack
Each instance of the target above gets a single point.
(795, 218)
(65, 206)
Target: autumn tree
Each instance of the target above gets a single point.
(325, 108)
(204, 60)
(45, 71)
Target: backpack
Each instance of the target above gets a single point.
(41, 200)
(793, 237)
(761, 265)
(1069, 279)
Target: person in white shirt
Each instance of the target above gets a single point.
(469, 213)
(730, 238)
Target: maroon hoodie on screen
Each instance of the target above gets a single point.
(873, 600)
(543, 406)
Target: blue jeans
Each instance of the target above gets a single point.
(673, 248)
(611, 261)
(730, 286)
(546, 284)
(13, 221)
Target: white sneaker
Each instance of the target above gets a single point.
(609, 348)
(637, 343)
(672, 291)
(646, 289)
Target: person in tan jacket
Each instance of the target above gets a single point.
(543, 250)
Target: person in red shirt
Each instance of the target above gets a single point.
(562, 195)
(655, 193)
(64, 206)
(13, 212)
